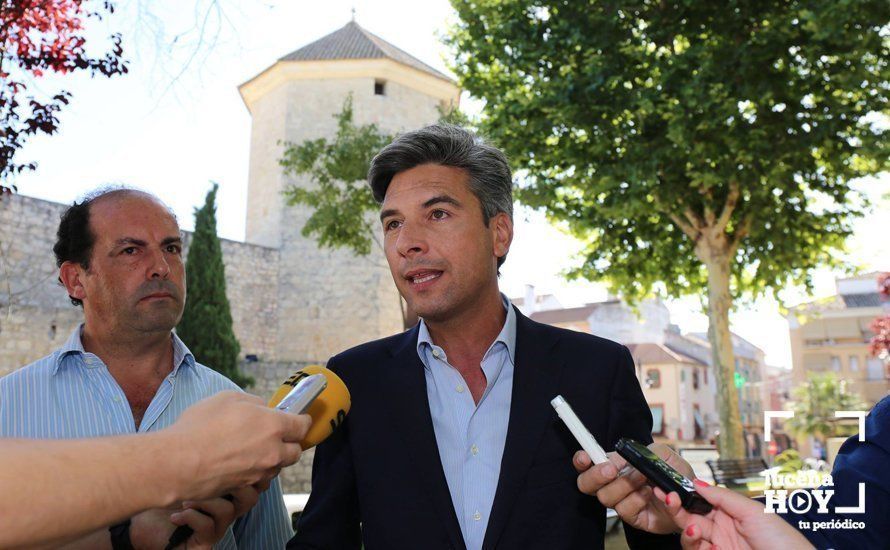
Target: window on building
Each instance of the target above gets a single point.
(379, 87)
(682, 374)
(657, 419)
(706, 375)
(653, 379)
(875, 369)
(854, 363)
(835, 363)
(694, 378)
(699, 423)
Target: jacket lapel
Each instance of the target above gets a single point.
(411, 417)
(535, 382)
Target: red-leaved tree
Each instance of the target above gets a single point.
(880, 342)
(38, 37)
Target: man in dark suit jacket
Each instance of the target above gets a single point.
(399, 472)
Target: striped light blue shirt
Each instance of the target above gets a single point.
(71, 394)
(471, 437)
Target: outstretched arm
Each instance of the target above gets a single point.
(55, 491)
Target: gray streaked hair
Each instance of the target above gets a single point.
(489, 173)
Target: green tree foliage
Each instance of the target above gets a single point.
(206, 325)
(695, 146)
(789, 461)
(341, 200)
(815, 403)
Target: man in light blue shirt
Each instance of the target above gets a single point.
(471, 435)
(123, 370)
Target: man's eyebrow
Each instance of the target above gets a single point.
(447, 199)
(171, 240)
(387, 213)
(442, 198)
(130, 241)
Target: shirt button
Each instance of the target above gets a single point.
(477, 516)
(475, 450)
(460, 389)
(436, 353)
(117, 399)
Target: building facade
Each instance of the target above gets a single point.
(674, 369)
(833, 335)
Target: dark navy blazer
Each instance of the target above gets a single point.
(378, 480)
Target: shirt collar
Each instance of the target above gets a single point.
(182, 356)
(507, 336)
(74, 346)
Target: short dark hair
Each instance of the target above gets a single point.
(448, 145)
(74, 239)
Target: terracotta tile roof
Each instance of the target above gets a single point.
(655, 354)
(354, 42)
(566, 315)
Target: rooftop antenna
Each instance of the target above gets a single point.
(353, 14)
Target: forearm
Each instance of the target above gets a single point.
(56, 491)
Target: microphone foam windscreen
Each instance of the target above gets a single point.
(329, 408)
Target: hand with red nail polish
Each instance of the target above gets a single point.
(736, 522)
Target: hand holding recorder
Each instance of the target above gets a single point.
(622, 486)
(735, 521)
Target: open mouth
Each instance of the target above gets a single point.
(424, 276)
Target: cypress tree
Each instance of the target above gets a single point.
(206, 325)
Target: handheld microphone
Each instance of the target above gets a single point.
(328, 411)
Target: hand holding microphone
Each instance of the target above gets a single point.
(232, 440)
(313, 390)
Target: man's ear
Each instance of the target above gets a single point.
(502, 233)
(71, 274)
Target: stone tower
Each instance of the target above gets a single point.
(329, 300)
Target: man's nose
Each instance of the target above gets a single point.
(160, 267)
(411, 240)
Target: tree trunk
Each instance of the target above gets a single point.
(730, 441)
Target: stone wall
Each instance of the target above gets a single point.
(35, 313)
